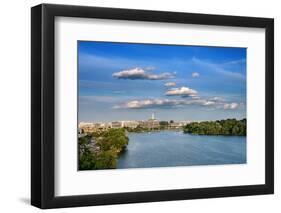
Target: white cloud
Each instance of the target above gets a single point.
(170, 84)
(231, 106)
(208, 103)
(182, 91)
(216, 99)
(140, 74)
(195, 75)
(152, 103)
(159, 103)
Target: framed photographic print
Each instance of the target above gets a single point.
(139, 106)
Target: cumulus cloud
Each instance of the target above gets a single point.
(230, 106)
(170, 84)
(170, 103)
(141, 74)
(182, 91)
(152, 103)
(195, 75)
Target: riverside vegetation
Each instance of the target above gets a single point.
(219, 127)
(163, 125)
(100, 150)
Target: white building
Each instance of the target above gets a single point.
(116, 124)
(130, 124)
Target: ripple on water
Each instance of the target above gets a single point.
(170, 148)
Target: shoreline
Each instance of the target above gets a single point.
(166, 130)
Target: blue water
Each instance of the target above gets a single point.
(171, 148)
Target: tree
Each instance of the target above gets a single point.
(163, 123)
(104, 152)
(106, 160)
(222, 127)
(113, 138)
(86, 156)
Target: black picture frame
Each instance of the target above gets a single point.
(43, 110)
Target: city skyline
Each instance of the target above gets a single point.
(121, 81)
(150, 117)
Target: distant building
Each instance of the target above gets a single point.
(130, 124)
(151, 123)
(87, 127)
(93, 127)
(176, 125)
(183, 123)
(104, 126)
(97, 125)
(116, 124)
(84, 124)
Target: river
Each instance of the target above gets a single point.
(172, 148)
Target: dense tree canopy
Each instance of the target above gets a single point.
(100, 150)
(138, 129)
(219, 127)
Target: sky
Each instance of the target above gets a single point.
(127, 81)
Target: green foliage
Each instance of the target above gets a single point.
(164, 123)
(103, 152)
(138, 129)
(83, 141)
(113, 139)
(219, 127)
(87, 159)
(106, 160)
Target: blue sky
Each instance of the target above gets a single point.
(123, 81)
